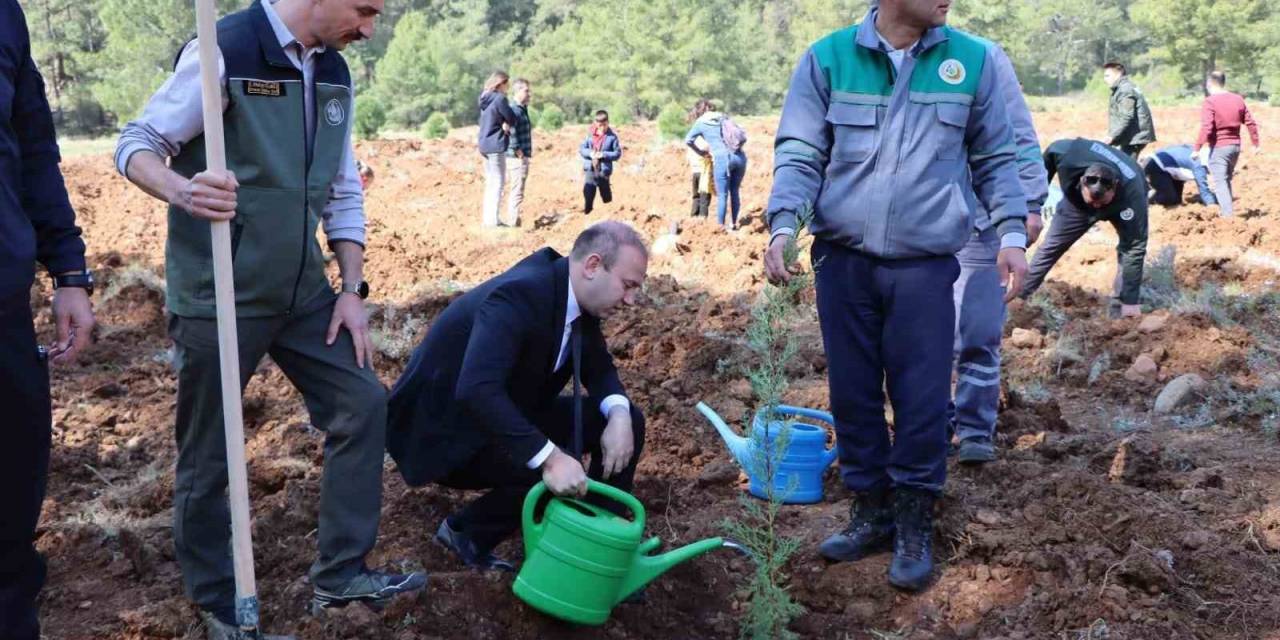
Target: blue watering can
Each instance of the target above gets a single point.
(798, 479)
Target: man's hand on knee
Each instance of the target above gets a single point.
(618, 442)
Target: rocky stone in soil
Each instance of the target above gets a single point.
(1144, 369)
(1178, 392)
(1153, 323)
(1027, 338)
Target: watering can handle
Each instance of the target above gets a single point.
(823, 416)
(532, 529)
(621, 496)
(805, 413)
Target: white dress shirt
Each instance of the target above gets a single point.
(173, 117)
(573, 312)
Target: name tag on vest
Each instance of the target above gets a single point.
(262, 88)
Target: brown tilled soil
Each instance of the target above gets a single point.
(1100, 520)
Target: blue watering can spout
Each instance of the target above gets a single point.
(739, 446)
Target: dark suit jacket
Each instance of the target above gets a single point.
(485, 370)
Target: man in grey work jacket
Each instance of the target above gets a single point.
(287, 111)
(892, 131)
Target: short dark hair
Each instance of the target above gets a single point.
(1218, 77)
(602, 113)
(1117, 66)
(605, 239)
(519, 82)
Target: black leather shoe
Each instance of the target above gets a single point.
(870, 529)
(912, 565)
(466, 550)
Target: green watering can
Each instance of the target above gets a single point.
(581, 560)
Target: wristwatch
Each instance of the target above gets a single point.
(75, 281)
(359, 288)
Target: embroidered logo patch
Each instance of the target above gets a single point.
(334, 113)
(263, 88)
(1126, 215)
(952, 71)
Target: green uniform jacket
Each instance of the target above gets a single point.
(1129, 116)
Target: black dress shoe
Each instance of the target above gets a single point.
(466, 550)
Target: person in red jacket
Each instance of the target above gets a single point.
(1220, 119)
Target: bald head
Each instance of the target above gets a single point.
(606, 239)
(607, 267)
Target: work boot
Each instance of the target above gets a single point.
(870, 528)
(370, 588)
(216, 629)
(976, 451)
(466, 549)
(912, 565)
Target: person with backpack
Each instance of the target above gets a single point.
(496, 122)
(599, 151)
(725, 140)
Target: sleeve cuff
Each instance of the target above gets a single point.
(537, 460)
(615, 400)
(73, 261)
(125, 154)
(1013, 241)
(781, 231)
(353, 234)
(784, 221)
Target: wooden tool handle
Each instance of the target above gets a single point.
(228, 342)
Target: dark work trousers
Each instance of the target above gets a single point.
(888, 321)
(346, 402)
(1068, 225)
(494, 516)
(591, 183)
(24, 467)
(980, 312)
(1168, 192)
(701, 201)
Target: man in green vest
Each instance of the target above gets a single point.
(287, 107)
(893, 132)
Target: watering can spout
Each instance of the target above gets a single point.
(738, 445)
(646, 567)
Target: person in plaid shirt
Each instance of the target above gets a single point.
(520, 149)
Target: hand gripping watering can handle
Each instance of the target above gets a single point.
(625, 498)
(532, 530)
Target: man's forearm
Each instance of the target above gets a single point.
(147, 170)
(350, 260)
